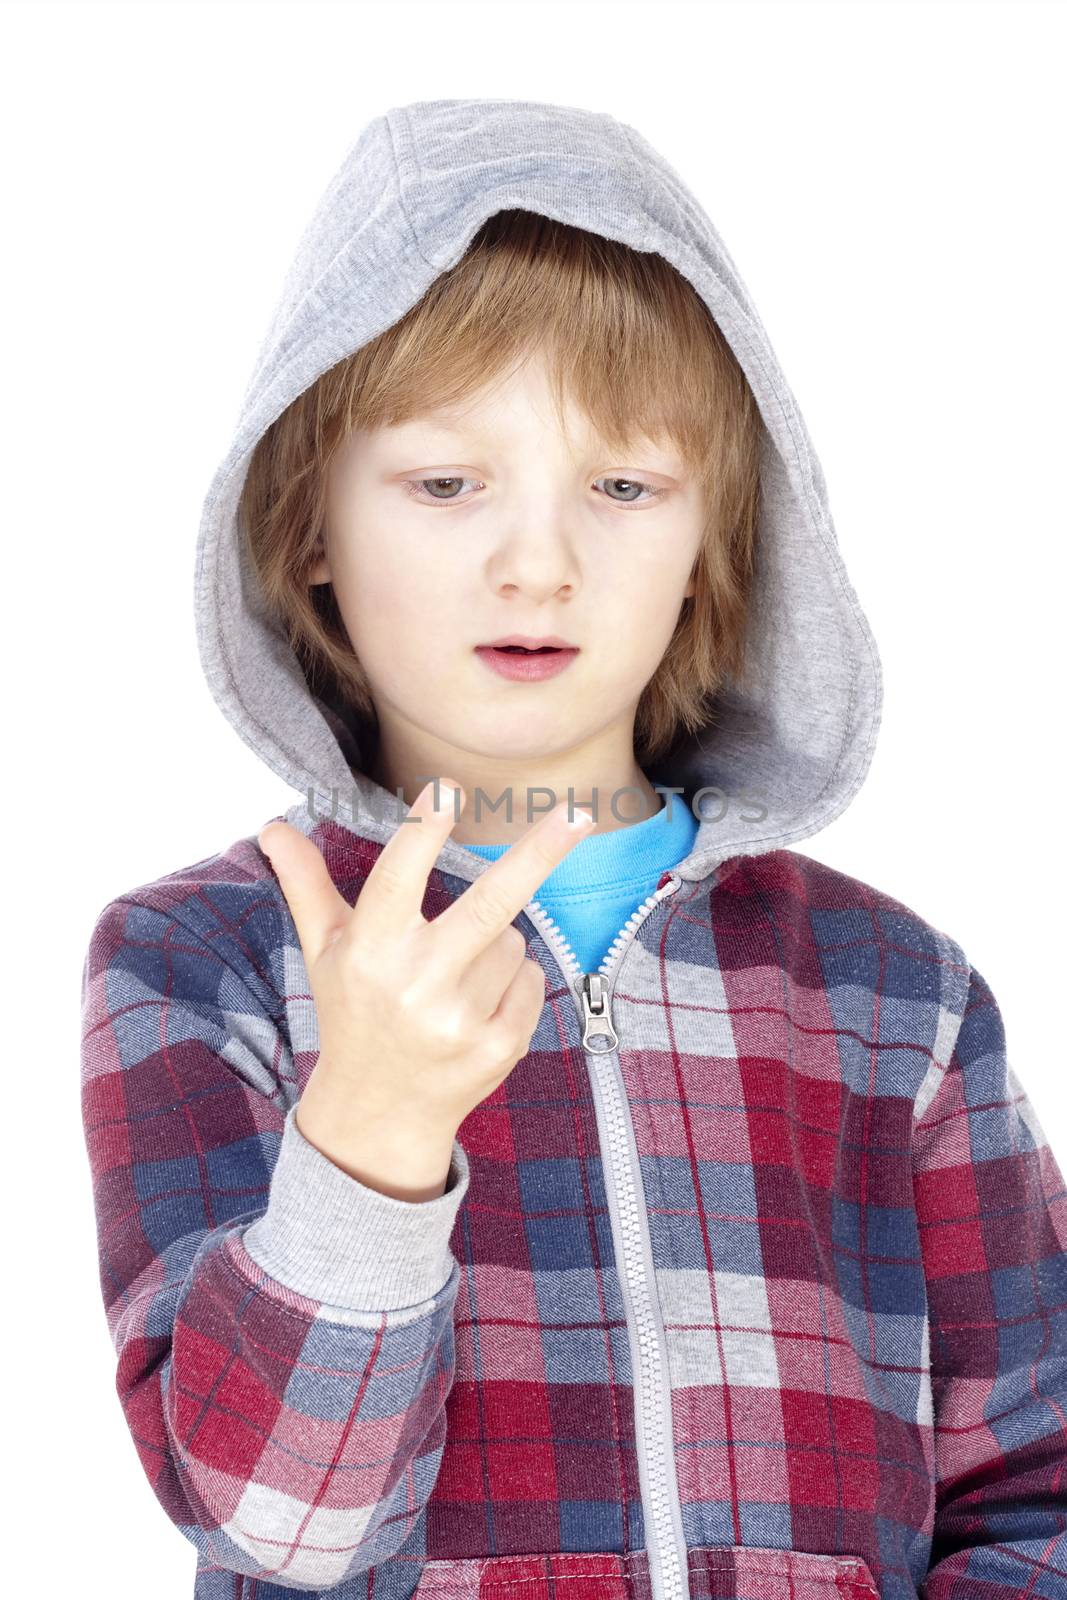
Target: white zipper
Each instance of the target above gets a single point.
(668, 1561)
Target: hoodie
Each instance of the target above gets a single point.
(750, 1279)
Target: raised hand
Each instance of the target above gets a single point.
(418, 1021)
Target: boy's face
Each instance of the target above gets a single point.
(542, 535)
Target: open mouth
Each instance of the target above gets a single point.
(527, 663)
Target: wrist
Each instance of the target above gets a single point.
(382, 1150)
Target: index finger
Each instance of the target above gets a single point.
(394, 889)
(497, 895)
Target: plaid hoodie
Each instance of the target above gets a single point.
(750, 1280)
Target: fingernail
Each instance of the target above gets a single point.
(580, 820)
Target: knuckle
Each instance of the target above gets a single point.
(488, 908)
(410, 984)
(501, 1050)
(388, 877)
(450, 1027)
(407, 998)
(490, 1050)
(359, 966)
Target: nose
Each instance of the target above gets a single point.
(537, 557)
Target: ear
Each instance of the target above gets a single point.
(690, 589)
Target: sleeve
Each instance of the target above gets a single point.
(284, 1333)
(992, 1218)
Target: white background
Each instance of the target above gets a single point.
(887, 178)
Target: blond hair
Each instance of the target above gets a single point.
(631, 342)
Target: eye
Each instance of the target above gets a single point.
(425, 489)
(630, 483)
(413, 485)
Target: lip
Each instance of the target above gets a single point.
(525, 669)
(529, 641)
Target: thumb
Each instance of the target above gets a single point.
(319, 909)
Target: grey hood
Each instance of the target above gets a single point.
(793, 749)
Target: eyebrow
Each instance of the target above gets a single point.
(441, 424)
(458, 427)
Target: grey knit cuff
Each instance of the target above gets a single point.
(329, 1237)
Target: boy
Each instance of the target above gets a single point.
(682, 1231)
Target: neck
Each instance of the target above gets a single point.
(505, 798)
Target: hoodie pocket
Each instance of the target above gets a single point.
(716, 1572)
(563, 1575)
(750, 1572)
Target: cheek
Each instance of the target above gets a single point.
(656, 585)
(397, 612)
(376, 584)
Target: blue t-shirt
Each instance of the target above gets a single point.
(603, 879)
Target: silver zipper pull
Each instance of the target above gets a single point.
(597, 1033)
